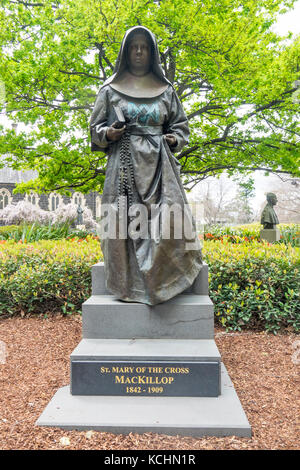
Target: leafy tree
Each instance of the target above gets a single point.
(234, 75)
(215, 198)
(241, 203)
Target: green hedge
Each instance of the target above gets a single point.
(5, 230)
(46, 276)
(289, 233)
(253, 285)
(29, 233)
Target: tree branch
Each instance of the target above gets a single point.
(28, 4)
(79, 73)
(203, 110)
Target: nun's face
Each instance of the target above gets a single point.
(139, 54)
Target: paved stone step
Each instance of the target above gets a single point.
(146, 349)
(200, 285)
(169, 367)
(186, 316)
(192, 416)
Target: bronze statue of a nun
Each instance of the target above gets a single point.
(139, 122)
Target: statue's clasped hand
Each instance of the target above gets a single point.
(171, 140)
(114, 133)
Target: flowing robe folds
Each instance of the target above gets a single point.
(149, 269)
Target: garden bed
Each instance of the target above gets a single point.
(264, 369)
(253, 285)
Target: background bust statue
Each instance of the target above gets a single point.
(269, 217)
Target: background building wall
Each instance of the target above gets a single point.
(91, 200)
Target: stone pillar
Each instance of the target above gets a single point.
(271, 235)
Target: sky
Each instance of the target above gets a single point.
(289, 22)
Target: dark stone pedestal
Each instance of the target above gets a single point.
(140, 368)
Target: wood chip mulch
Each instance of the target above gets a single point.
(264, 369)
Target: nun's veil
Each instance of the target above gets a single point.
(122, 64)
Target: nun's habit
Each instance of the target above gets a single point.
(142, 168)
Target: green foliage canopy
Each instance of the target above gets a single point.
(234, 75)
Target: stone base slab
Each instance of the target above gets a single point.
(186, 316)
(200, 358)
(146, 349)
(270, 235)
(192, 416)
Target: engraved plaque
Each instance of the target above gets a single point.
(145, 378)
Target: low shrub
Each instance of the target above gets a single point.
(5, 231)
(254, 285)
(233, 233)
(290, 233)
(46, 276)
(36, 232)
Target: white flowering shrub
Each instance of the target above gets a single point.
(88, 221)
(67, 213)
(24, 212)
